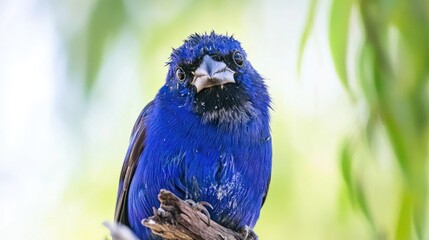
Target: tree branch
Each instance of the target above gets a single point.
(179, 220)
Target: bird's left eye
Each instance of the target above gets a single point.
(238, 58)
(180, 74)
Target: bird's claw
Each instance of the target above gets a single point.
(160, 212)
(248, 233)
(201, 207)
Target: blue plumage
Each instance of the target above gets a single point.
(204, 137)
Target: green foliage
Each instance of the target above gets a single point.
(307, 30)
(400, 76)
(393, 72)
(338, 36)
(105, 23)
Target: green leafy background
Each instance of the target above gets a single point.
(349, 82)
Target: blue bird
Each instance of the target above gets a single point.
(204, 137)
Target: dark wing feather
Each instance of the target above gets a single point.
(266, 192)
(136, 147)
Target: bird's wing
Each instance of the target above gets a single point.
(136, 147)
(266, 192)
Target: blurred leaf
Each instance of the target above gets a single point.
(404, 225)
(353, 185)
(363, 204)
(346, 166)
(105, 23)
(365, 70)
(338, 36)
(307, 29)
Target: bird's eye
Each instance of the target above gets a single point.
(180, 74)
(238, 58)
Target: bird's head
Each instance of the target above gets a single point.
(211, 75)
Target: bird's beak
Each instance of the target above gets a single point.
(212, 73)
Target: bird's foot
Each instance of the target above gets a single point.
(248, 233)
(201, 207)
(166, 216)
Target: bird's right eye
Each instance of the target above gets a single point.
(180, 74)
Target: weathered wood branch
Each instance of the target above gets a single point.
(177, 219)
